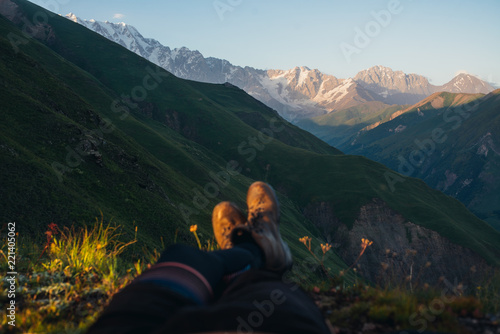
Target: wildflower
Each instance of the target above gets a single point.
(325, 247)
(365, 243)
(52, 230)
(306, 241)
(193, 229)
(53, 227)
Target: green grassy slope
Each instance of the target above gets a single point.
(339, 127)
(424, 116)
(155, 168)
(461, 159)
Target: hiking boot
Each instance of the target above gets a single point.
(225, 217)
(263, 227)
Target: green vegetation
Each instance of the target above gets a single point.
(381, 310)
(340, 127)
(460, 159)
(64, 286)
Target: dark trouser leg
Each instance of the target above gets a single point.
(183, 277)
(258, 301)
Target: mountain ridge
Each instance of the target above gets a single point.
(295, 93)
(462, 161)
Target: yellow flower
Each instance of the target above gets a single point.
(325, 247)
(193, 229)
(365, 243)
(306, 241)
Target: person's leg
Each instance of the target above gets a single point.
(176, 291)
(257, 301)
(184, 276)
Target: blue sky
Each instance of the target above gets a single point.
(436, 38)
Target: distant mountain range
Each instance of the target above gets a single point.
(296, 93)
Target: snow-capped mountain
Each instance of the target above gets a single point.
(400, 88)
(296, 93)
(466, 83)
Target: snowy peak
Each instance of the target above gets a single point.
(72, 17)
(121, 33)
(466, 83)
(182, 62)
(295, 93)
(346, 95)
(337, 94)
(384, 81)
(398, 87)
(304, 81)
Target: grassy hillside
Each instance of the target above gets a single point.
(423, 115)
(450, 141)
(90, 126)
(339, 127)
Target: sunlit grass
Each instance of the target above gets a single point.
(88, 249)
(70, 281)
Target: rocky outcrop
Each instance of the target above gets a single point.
(402, 252)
